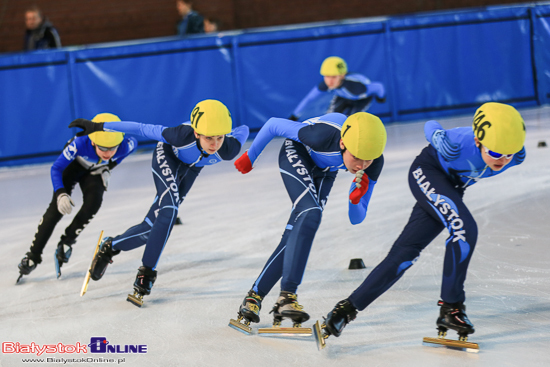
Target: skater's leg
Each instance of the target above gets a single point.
(420, 230)
(273, 269)
(92, 194)
(173, 180)
(308, 188)
(443, 200)
(52, 216)
(438, 199)
(360, 105)
(45, 229)
(308, 193)
(137, 235)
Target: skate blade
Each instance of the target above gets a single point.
(319, 337)
(57, 265)
(452, 344)
(286, 331)
(135, 300)
(88, 274)
(239, 326)
(19, 278)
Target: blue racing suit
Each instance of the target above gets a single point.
(354, 95)
(78, 163)
(437, 178)
(177, 161)
(309, 161)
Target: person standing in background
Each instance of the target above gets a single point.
(191, 22)
(40, 33)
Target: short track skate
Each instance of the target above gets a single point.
(145, 279)
(320, 335)
(57, 265)
(295, 330)
(242, 324)
(461, 344)
(88, 273)
(453, 316)
(136, 299)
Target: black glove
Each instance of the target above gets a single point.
(87, 126)
(293, 118)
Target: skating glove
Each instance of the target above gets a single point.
(105, 175)
(64, 202)
(243, 164)
(361, 187)
(87, 126)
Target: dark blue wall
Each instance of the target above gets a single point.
(432, 65)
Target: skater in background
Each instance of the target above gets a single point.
(310, 158)
(352, 92)
(88, 161)
(454, 160)
(179, 157)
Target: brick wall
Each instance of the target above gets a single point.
(81, 22)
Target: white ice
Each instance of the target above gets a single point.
(232, 223)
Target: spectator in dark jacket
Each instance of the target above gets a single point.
(191, 22)
(40, 33)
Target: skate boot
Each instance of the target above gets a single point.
(249, 311)
(287, 307)
(337, 319)
(142, 286)
(453, 316)
(63, 253)
(103, 258)
(251, 306)
(28, 264)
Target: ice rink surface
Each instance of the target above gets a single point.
(232, 223)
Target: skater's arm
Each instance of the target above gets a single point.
(233, 143)
(127, 147)
(440, 140)
(65, 158)
(272, 128)
(311, 96)
(358, 212)
(377, 90)
(154, 132)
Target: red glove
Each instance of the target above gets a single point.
(361, 186)
(243, 164)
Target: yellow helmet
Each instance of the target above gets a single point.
(499, 127)
(364, 135)
(333, 66)
(211, 118)
(105, 138)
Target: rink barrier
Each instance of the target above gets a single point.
(432, 64)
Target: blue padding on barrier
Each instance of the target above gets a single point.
(450, 66)
(541, 41)
(35, 110)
